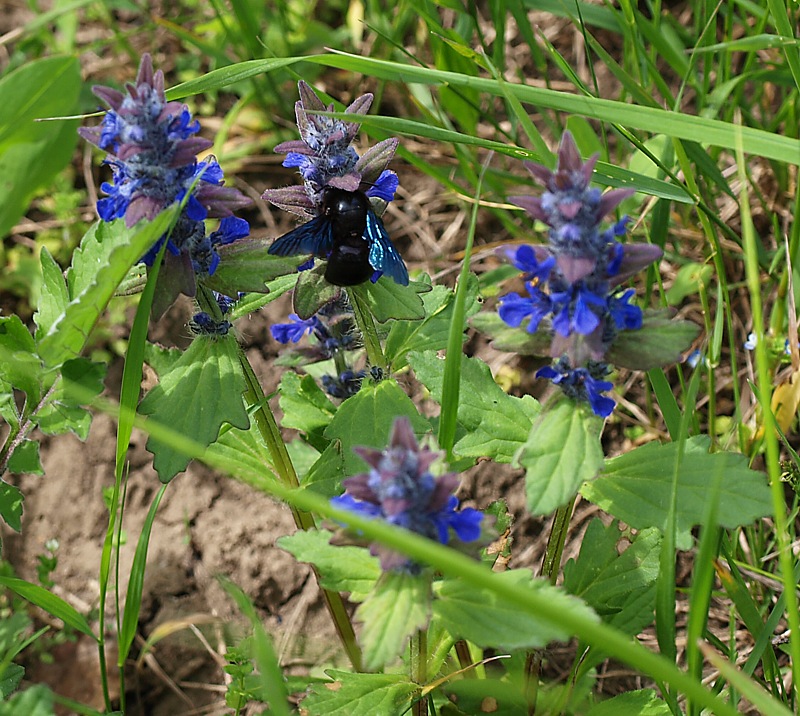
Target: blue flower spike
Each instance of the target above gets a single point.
(573, 282)
(400, 489)
(152, 147)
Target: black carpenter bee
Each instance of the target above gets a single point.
(350, 236)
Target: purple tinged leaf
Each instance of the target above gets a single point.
(372, 163)
(531, 204)
(348, 182)
(291, 198)
(541, 173)
(611, 200)
(634, 259)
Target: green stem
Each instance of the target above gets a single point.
(265, 421)
(533, 665)
(550, 568)
(268, 428)
(555, 543)
(366, 324)
(419, 669)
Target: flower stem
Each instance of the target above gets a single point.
(555, 543)
(265, 421)
(550, 568)
(282, 462)
(419, 669)
(366, 324)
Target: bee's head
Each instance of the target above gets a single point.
(341, 204)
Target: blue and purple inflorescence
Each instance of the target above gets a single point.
(400, 489)
(334, 330)
(152, 150)
(324, 157)
(572, 283)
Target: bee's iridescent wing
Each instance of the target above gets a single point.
(383, 255)
(314, 237)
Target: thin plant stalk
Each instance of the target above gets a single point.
(366, 324)
(785, 557)
(419, 668)
(282, 462)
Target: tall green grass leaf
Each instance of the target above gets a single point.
(451, 378)
(48, 601)
(453, 564)
(605, 173)
(658, 121)
(749, 688)
(133, 600)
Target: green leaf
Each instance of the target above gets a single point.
(644, 702)
(8, 405)
(341, 568)
(37, 89)
(312, 292)
(246, 450)
(387, 299)
(201, 392)
(636, 487)
(360, 695)
(398, 606)
(306, 407)
(491, 423)
(19, 364)
(32, 153)
(92, 287)
(54, 296)
(481, 617)
(35, 701)
(11, 499)
(64, 412)
(615, 584)
(9, 681)
(431, 332)
(251, 302)
(512, 340)
(81, 377)
(246, 265)
(25, 458)
(563, 450)
(325, 476)
(659, 342)
(161, 359)
(367, 418)
(49, 602)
